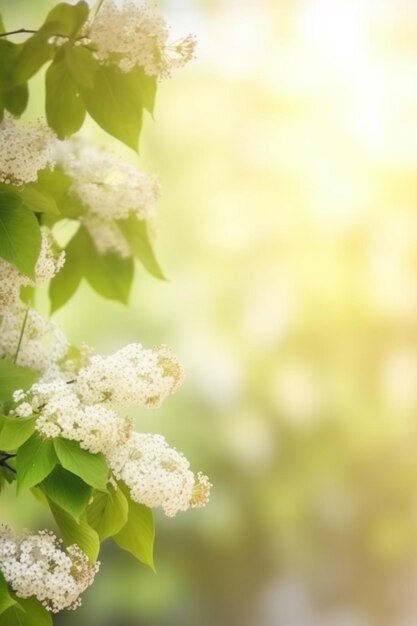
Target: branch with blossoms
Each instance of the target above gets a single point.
(64, 433)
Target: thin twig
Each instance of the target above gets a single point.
(18, 32)
(21, 335)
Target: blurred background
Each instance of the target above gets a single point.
(288, 231)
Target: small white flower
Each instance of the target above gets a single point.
(38, 565)
(24, 151)
(158, 475)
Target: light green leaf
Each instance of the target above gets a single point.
(20, 235)
(76, 532)
(65, 110)
(54, 182)
(81, 65)
(67, 491)
(115, 103)
(65, 283)
(15, 431)
(108, 512)
(26, 612)
(109, 274)
(14, 377)
(137, 236)
(67, 19)
(147, 86)
(34, 461)
(92, 468)
(38, 201)
(138, 534)
(6, 599)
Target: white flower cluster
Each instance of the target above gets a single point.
(110, 190)
(23, 152)
(38, 565)
(11, 280)
(158, 475)
(132, 376)
(42, 345)
(131, 36)
(82, 409)
(61, 413)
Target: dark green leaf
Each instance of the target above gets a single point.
(67, 491)
(65, 110)
(92, 468)
(81, 65)
(66, 282)
(138, 534)
(15, 431)
(26, 612)
(109, 274)
(137, 236)
(76, 532)
(38, 201)
(20, 235)
(6, 599)
(33, 54)
(14, 377)
(34, 461)
(108, 512)
(16, 99)
(115, 103)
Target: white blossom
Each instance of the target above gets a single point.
(24, 151)
(49, 263)
(158, 475)
(108, 187)
(107, 236)
(110, 190)
(62, 414)
(42, 345)
(38, 565)
(131, 36)
(132, 376)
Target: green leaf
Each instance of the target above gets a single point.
(65, 110)
(26, 612)
(8, 54)
(67, 491)
(109, 274)
(92, 468)
(66, 282)
(67, 19)
(38, 201)
(14, 377)
(6, 599)
(138, 534)
(108, 512)
(16, 99)
(20, 235)
(81, 65)
(34, 461)
(76, 532)
(54, 182)
(15, 431)
(137, 236)
(147, 85)
(115, 103)
(33, 54)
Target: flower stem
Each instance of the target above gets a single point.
(22, 330)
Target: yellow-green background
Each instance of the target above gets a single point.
(288, 230)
